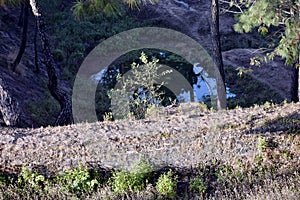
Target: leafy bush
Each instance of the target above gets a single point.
(121, 182)
(77, 180)
(166, 185)
(139, 85)
(135, 180)
(31, 179)
(74, 39)
(198, 185)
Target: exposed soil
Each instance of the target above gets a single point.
(274, 74)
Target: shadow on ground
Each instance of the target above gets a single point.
(283, 125)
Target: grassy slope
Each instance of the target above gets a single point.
(271, 170)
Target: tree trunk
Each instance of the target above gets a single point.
(298, 64)
(217, 54)
(65, 116)
(298, 81)
(24, 35)
(295, 84)
(296, 73)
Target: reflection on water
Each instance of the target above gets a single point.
(201, 92)
(201, 89)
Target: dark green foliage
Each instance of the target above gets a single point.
(4, 179)
(198, 185)
(248, 90)
(73, 39)
(266, 14)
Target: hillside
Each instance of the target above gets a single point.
(251, 150)
(178, 137)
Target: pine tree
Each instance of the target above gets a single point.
(85, 8)
(265, 14)
(65, 116)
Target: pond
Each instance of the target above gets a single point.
(200, 88)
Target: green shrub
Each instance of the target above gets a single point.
(29, 179)
(121, 182)
(139, 86)
(224, 173)
(198, 185)
(77, 180)
(166, 185)
(135, 180)
(142, 170)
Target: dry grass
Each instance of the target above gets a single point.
(251, 153)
